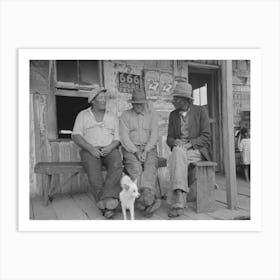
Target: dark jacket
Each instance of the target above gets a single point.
(199, 129)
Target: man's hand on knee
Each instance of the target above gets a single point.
(188, 145)
(105, 150)
(179, 143)
(95, 152)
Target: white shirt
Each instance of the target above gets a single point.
(98, 134)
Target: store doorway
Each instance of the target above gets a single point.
(205, 92)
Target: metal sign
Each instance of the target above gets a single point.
(128, 82)
(158, 83)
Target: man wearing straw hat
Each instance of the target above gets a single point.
(139, 136)
(96, 132)
(189, 140)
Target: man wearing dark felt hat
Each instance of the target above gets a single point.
(189, 140)
(139, 136)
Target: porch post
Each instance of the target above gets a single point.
(228, 134)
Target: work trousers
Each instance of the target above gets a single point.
(110, 187)
(146, 173)
(178, 164)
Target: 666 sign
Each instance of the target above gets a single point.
(128, 82)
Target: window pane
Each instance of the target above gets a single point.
(67, 71)
(200, 96)
(89, 73)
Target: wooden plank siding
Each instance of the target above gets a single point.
(209, 62)
(67, 151)
(55, 158)
(64, 155)
(74, 156)
(42, 147)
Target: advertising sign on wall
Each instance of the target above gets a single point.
(158, 83)
(128, 82)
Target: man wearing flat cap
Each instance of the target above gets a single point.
(96, 132)
(189, 140)
(139, 136)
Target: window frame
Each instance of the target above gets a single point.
(76, 91)
(57, 90)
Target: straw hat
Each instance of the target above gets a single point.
(94, 92)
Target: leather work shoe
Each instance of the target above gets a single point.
(111, 203)
(108, 203)
(108, 214)
(101, 204)
(180, 199)
(140, 206)
(175, 213)
(177, 209)
(152, 208)
(147, 197)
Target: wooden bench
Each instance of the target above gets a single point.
(201, 180)
(51, 168)
(74, 168)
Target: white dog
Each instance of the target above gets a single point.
(128, 195)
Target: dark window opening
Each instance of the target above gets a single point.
(67, 109)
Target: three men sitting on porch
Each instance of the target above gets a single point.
(96, 131)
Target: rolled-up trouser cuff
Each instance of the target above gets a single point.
(184, 189)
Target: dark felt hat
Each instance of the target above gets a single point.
(138, 96)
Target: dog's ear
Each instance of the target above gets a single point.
(126, 187)
(135, 181)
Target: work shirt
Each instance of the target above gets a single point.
(98, 134)
(138, 129)
(184, 124)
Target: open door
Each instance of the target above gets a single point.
(205, 92)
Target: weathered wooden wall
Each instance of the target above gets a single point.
(241, 88)
(39, 90)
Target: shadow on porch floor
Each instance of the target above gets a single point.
(81, 206)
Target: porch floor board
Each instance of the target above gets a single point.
(42, 212)
(66, 208)
(88, 206)
(81, 206)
